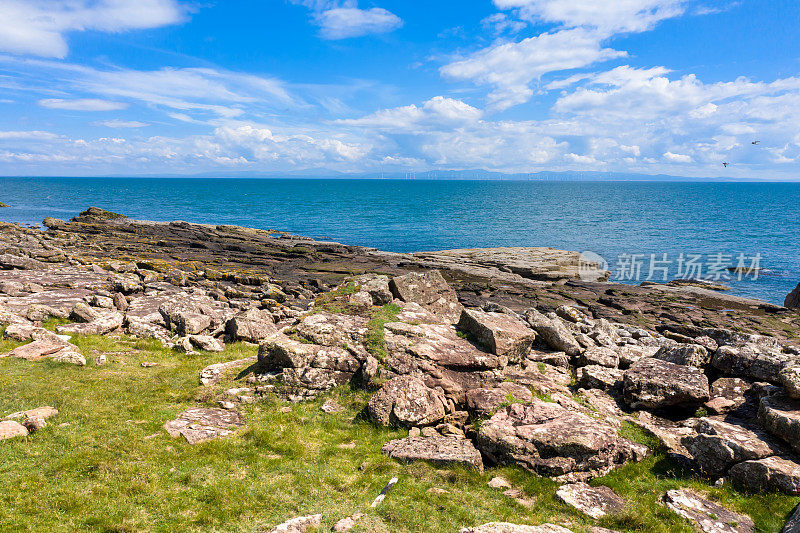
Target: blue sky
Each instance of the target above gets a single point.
(93, 87)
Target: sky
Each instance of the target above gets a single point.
(129, 87)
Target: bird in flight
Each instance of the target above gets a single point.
(755, 142)
(725, 164)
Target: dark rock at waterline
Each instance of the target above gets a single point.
(792, 300)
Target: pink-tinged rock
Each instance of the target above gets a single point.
(436, 449)
(500, 333)
(199, 424)
(10, 429)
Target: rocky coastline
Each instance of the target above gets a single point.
(487, 357)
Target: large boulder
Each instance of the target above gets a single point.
(780, 415)
(718, 445)
(39, 349)
(553, 332)
(752, 361)
(184, 319)
(376, 285)
(792, 300)
(685, 354)
(329, 329)
(790, 378)
(486, 401)
(406, 401)
(767, 475)
(653, 384)
(595, 502)
(551, 440)
(10, 429)
(100, 326)
(430, 290)
(437, 449)
(500, 333)
(414, 346)
(598, 355)
(706, 515)
(253, 325)
(598, 377)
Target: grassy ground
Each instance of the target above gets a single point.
(106, 464)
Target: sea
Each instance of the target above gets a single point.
(644, 231)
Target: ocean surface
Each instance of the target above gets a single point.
(707, 225)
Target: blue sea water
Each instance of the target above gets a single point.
(715, 221)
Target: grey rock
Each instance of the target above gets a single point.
(685, 354)
(790, 378)
(752, 361)
(10, 429)
(253, 325)
(483, 401)
(500, 333)
(207, 343)
(792, 300)
(505, 527)
(431, 291)
(199, 424)
(301, 524)
(599, 377)
(598, 355)
(769, 474)
(780, 415)
(406, 401)
(553, 333)
(653, 383)
(706, 515)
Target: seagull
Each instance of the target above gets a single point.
(755, 142)
(725, 164)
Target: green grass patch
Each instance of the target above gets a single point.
(375, 341)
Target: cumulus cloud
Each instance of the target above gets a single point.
(39, 27)
(439, 111)
(82, 104)
(511, 67)
(343, 19)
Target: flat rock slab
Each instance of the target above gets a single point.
(436, 449)
(199, 424)
(505, 527)
(299, 524)
(707, 516)
(44, 413)
(500, 333)
(213, 373)
(768, 474)
(43, 348)
(653, 384)
(592, 501)
(780, 415)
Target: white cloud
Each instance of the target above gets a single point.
(438, 110)
(342, 19)
(82, 104)
(511, 67)
(117, 123)
(344, 22)
(611, 17)
(28, 135)
(500, 23)
(38, 27)
(677, 158)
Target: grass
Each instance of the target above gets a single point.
(105, 463)
(376, 344)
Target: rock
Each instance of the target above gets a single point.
(11, 288)
(120, 302)
(718, 445)
(707, 516)
(570, 314)
(406, 401)
(484, 402)
(83, 313)
(599, 377)
(25, 332)
(790, 378)
(42, 348)
(44, 413)
(653, 384)
(595, 502)
(73, 358)
(431, 291)
(18, 262)
(104, 302)
(752, 361)
(767, 475)
(101, 360)
(685, 354)
(734, 391)
(184, 320)
(99, 326)
(329, 329)
(413, 347)
(10, 429)
(500, 333)
(301, 524)
(598, 355)
(553, 333)
(376, 285)
(793, 524)
(780, 415)
(144, 330)
(498, 482)
(505, 527)
(792, 300)
(207, 343)
(331, 406)
(253, 325)
(199, 424)
(550, 440)
(348, 523)
(440, 450)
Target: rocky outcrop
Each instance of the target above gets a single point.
(780, 415)
(253, 325)
(436, 449)
(685, 354)
(406, 401)
(550, 440)
(431, 291)
(553, 333)
(771, 474)
(750, 360)
(653, 384)
(706, 515)
(790, 378)
(792, 300)
(485, 401)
